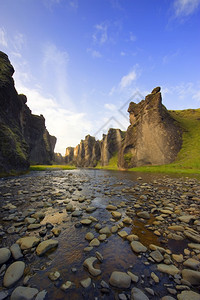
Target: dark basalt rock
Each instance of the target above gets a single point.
(23, 136)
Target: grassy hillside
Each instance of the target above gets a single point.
(50, 167)
(188, 159)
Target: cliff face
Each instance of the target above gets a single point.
(90, 152)
(23, 136)
(153, 138)
(110, 145)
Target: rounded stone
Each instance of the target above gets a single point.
(13, 273)
(120, 280)
(25, 293)
(4, 255)
(44, 246)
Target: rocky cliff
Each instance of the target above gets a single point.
(90, 151)
(153, 138)
(23, 136)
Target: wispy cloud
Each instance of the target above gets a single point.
(128, 79)
(196, 96)
(68, 126)
(94, 53)
(184, 8)
(100, 35)
(110, 106)
(132, 37)
(18, 41)
(3, 38)
(55, 72)
(169, 57)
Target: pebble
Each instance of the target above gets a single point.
(4, 255)
(138, 247)
(86, 282)
(120, 279)
(16, 251)
(169, 269)
(14, 272)
(28, 242)
(88, 263)
(24, 293)
(137, 294)
(44, 246)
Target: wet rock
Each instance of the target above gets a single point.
(34, 226)
(88, 263)
(157, 256)
(44, 246)
(56, 231)
(4, 255)
(65, 286)
(69, 207)
(120, 279)
(105, 230)
(186, 218)
(191, 276)
(137, 294)
(98, 226)
(116, 214)
(111, 207)
(169, 269)
(94, 243)
(41, 295)
(155, 277)
(102, 237)
(188, 295)
(86, 221)
(132, 237)
(177, 257)
(114, 229)
(127, 221)
(193, 236)
(167, 298)
(134, 277)
(14, 272)
(176, 228)
(122, 234)
(77, 213)
(16, 251)
(86, 282)
(25, 293)
(89, 236)
(28, 242)
(54, 275)
(138, 247)
(192, 263)
(90, 209)
(99, 256)
(143, 215)
(3, 295)
(194, 246)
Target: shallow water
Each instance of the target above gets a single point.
(100, 187)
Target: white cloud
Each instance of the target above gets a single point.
(128, 79)
(184, 8)
(101, 35)
(55, 73)
(68, 126)
(3, 38)
(18, 41)
(196, 96)
(110, 106)
(169, 57)
(122, 53)
(94, 53)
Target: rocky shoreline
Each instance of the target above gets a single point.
(95, 235)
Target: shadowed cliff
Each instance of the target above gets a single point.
(23, 136)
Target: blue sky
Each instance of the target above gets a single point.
(80, 61)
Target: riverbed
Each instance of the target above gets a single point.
(129, 207)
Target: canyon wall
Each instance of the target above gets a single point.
(23, 136)
(153, 137)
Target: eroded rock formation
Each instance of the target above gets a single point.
(153, 138)
(23, 136)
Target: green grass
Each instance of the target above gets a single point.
(188, 159)
(112, 165)
(50, 167)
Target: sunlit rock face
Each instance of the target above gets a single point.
(153, 137)
(23, 136)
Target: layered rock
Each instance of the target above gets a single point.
(23, 136)
(153, 138)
